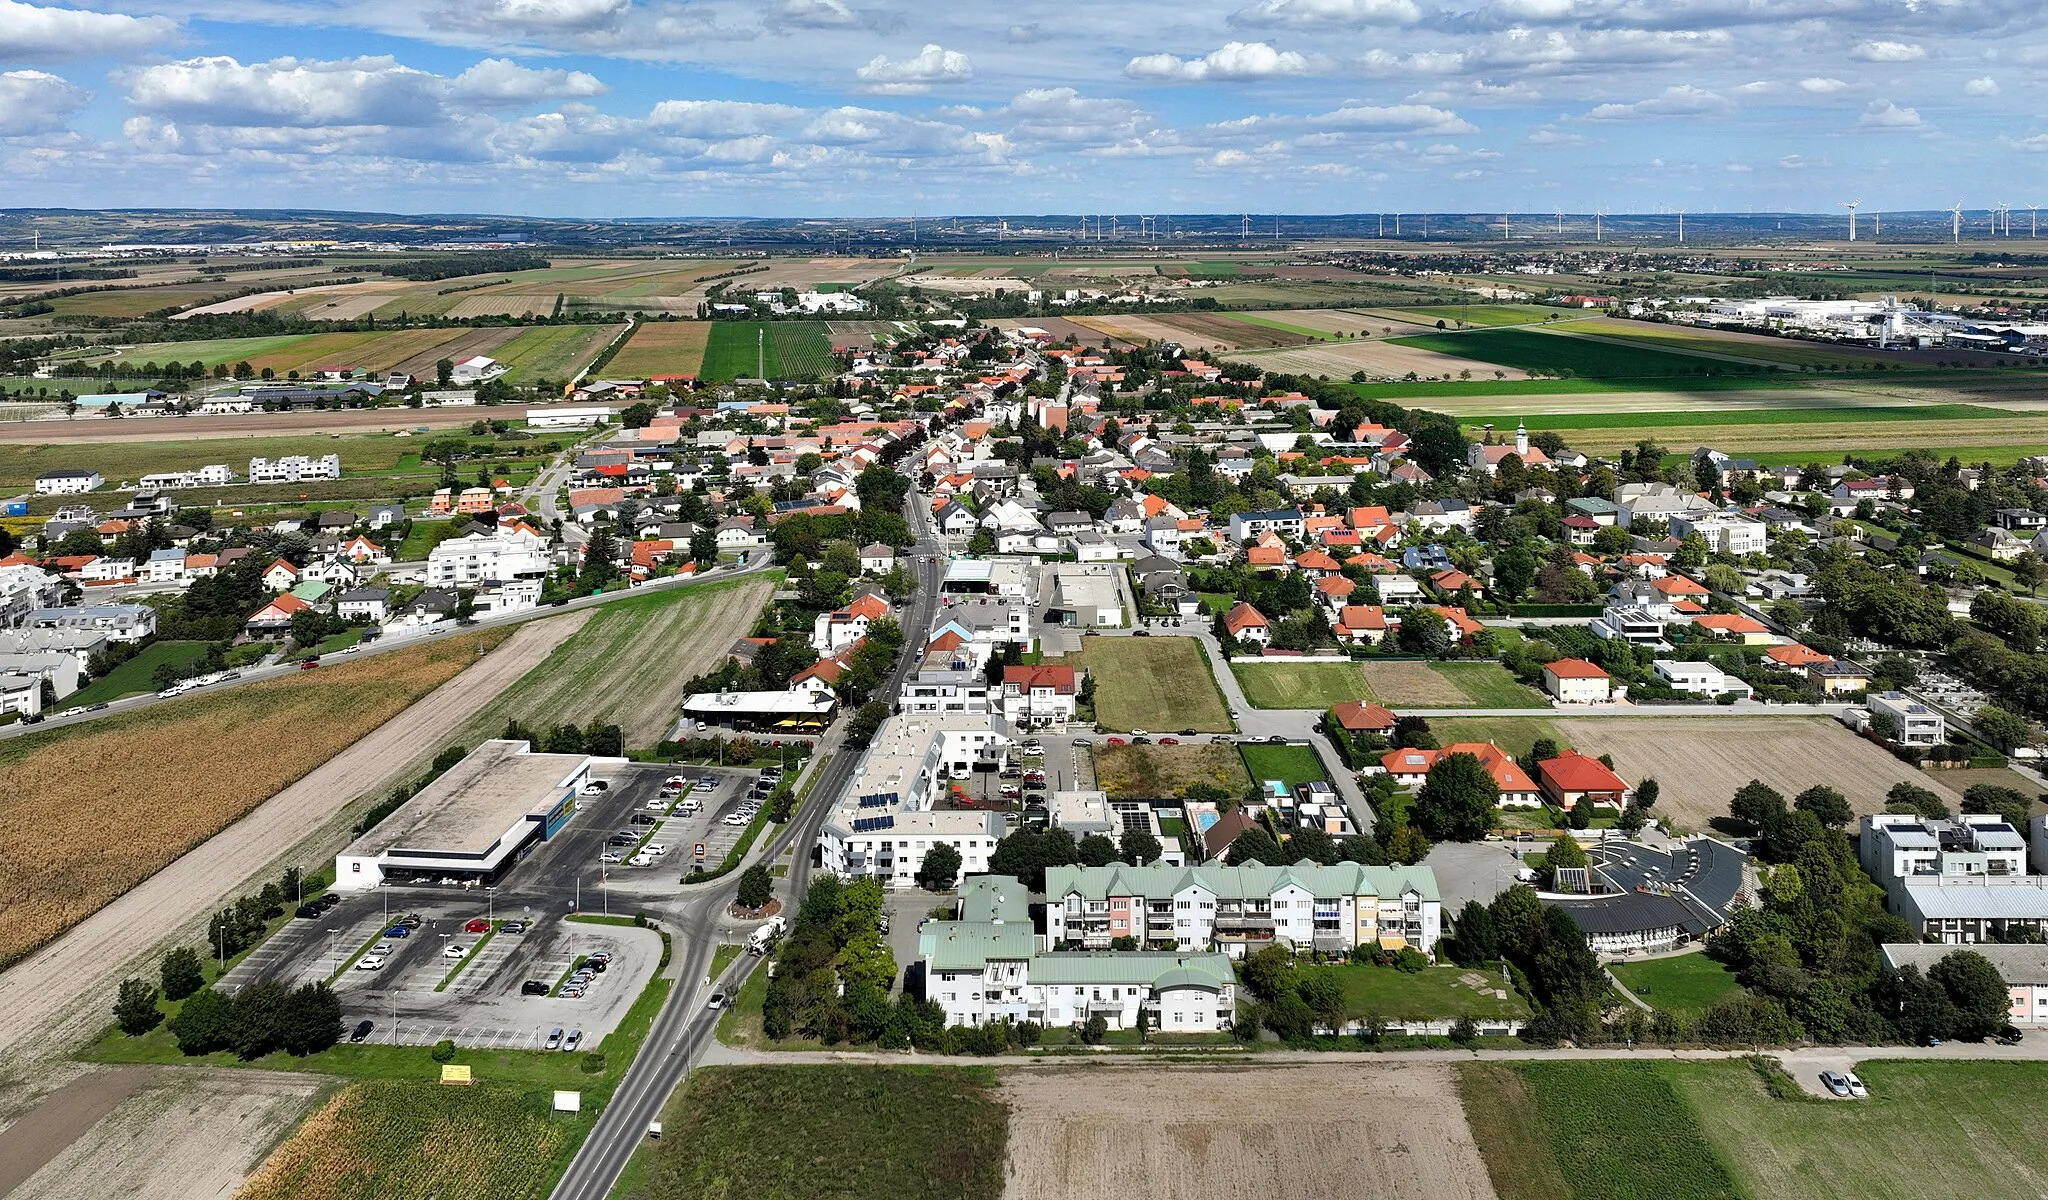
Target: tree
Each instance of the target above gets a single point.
(600, 557)
(1474, 939)
(861, 726)
(259, 1012)
(1565, 853)
(1755, 803)
(205, 1023)
(1311, 845)
(1828, 806)
(311, 1021)
(1912, 798)
(756, 887)
(1323, 992)
(181, 974)
(135, 1009)
(637, 416)
(1138, 847)
(2005, 730)
(1456, 801)
(1514, 570)
(1424, 631)
(2009, 803)
(1254, 844)
(1646, 794)
(444, 372)
(1402, 842)
(1268, 972)
(1981, 999)
(1692, 551)
(940, 870)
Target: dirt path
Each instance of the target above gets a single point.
(61, 1119)
(1217, 1133)
(182, 1134)
(56, 997)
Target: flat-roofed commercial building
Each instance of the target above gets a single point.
(472, 822)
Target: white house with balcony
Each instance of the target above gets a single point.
(1955, 881)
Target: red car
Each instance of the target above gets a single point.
(309, 664)
(477, 925)
(1115, 741)
(1169, 741)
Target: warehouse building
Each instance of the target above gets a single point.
(472, 822)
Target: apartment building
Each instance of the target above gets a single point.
(988, 966)
(897, 806)
(120, 622)
(1916, 724)
(294, 468)
(1038, 697)
(2023, 967)
(1724, 533)
(486, 558)
(1959, 881)
(1236, 909)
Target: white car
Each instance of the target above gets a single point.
(640, 860)
(381, 948)
(609, 857)
(355, 649)
(734, 819)
(1856, 1087)
(654, 848)
(370, 963)
(455, 952)
(658, 803)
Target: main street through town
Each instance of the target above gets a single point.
(697, 921)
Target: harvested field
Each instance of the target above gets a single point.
(53, 877)
(184, 1135)
(554, 353)
(1412, 685)
(1378, 358)
(508, 304)
(629, 663)
(1061, 328)
(1161, 772)
(1700, 761)
(1326, 322)
(1132, 1133)
(661, 348)
(411, 1139)
(55, 995)
(1135, 330)
(1217, 332)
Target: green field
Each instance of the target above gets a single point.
(1516, 735)
(1277, 683)
(20, 463)
(1432, 993)
(1789, 351)
(1160, 683)
(423, 537)
(1534, 350)
(1766, 416)
(794, 350)
(1930, 1131)
(830, 1133)
(1452, 389)
(1685, 985)
(136, 674)
(1314, 335)
(1488, 685)
(1592, 1131)
(553, 353)
(1488, 315)
(1291, 765)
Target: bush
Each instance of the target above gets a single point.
(1095, 1030)
(135, 1009)
(443, 1051)
(593, 1063)
(756, 887)
(1411, 961)
(1464, 1032)
(181, 973)
(205, 1024)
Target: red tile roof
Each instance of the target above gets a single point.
(1574, 668)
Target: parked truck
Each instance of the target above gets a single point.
(765, 934)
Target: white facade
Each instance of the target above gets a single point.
(67, 483)
(567, 418)
(1917, 724)
(1698, 678)
(888, 818)
(294, 468)
(1724, 533)
(485, 558)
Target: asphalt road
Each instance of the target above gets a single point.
(685, 1027)
(387, 644)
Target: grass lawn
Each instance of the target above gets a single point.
(1763, 416)
(1599, 1131)
(423, 537)
(118, 461)
(1963, 1126)
(136, 674)
(1157, 683)
(1289, 764)
(1685, 986)
(793, 350)
(1489, 685)
(1432, 992)
(1512, 734)
(843, 1132)
(1277, 683)
(1215, 602)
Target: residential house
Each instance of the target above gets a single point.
(1956, 882)
(67, 482)
(1914, 723)
(1836, 678)
(1357, 716)
(1247, 624)
(275, 618)
(510, 553)
(1576, 681)
(1410, 768)
(1572, 779)
(1038, 697)
(1699, 679)
(368, 604)
(280, 576)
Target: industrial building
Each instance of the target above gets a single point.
(471, 823)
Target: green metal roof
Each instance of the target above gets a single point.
(1250, 881)
(968, 945)
(999, 898)
(1135, 968)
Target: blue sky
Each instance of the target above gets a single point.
(879, 107)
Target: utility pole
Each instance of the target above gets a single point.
(760, 354)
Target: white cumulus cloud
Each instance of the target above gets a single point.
(1888, 52)
(1883, 114)
(1231, 61)
(1330, 12)
(1821, 85)
(1681, 100)
(818, 14)
(36, 102)
(502, 81)
(304, 93)
(31, 33)
(1983, 85)
(719, 120)
(931, 65)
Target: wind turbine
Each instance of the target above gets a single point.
(1851, 206)
(2034, 221)
(1681, 227)
(1505, 234)
(1246, 232)
(1877, 221)
(1560, 222)
(1956, 224)
(1597, 214)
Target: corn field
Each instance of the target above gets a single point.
(397, 1139)
(92, 811)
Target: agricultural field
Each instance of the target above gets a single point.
(1160, 772)
(180, 1135)
(1291, 765)
(412, 1139)
(1684, 985)
(21, 462)
(1408, 684)
(1593, 1131)
(1536, 350)
(553, 352)
(1280, 325)
(1961, 1124)
(1516, 735)
(629, 662)
(1482, 315)
(1824, 413)
(830, 1133)
(1161, 683)
(414, 351)
(1393, 1132)
(1754, 347)
(1433, 993)
(1700, 761)
(661, 348)
(793, 350)
(135, 675)
(50, 877)
(1380, 358)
